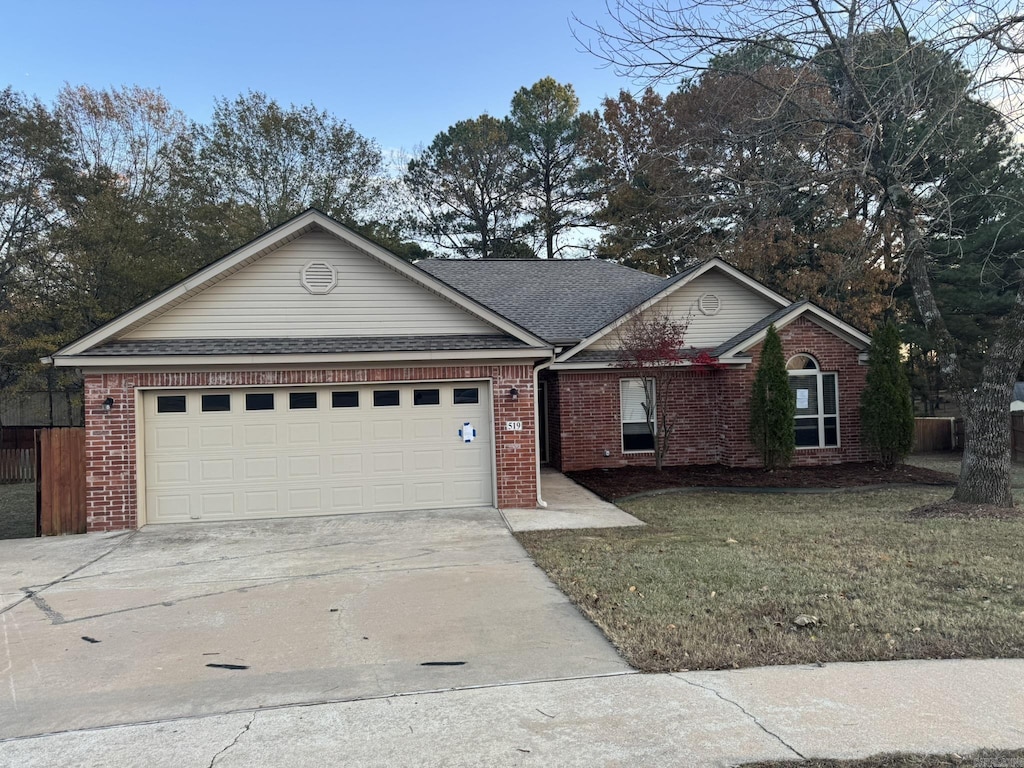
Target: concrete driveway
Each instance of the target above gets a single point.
(177, 621)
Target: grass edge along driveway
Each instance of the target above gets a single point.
(717, 580)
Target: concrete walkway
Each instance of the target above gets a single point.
(570, 505)
(692, 719)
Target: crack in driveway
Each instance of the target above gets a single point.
(742, 709)
(57, 618)
(31, 592)
(235, 740)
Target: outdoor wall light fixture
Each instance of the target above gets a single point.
(108, 404)
(513, 394)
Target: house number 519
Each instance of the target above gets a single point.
(513, 426)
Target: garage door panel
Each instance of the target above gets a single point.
(222, 436)
(263, 503)
(303, 466)
(425, 494)
(169, 473)
(347, 499)
(347, 463)
(428, 429)
(346, 432)
(464, 491)
(303, 434)
(259, 436)
(173, 508)
(170, 438)
(384, 462)
(217, 506)
(425, 461)
(390, 430)
(261, 468)
(388, 496)
(216, 470)
(307, 500)
(345, 456)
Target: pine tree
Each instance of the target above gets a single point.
(886, 408)
(773, 406)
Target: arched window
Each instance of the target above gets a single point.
(817, 403)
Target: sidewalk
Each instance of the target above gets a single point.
(570, 506)
(688, 719)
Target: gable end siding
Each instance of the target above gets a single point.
(267, 299)
(740, 309)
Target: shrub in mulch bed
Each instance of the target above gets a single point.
(615, 483)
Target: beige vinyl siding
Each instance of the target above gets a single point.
(741, 307)
(266, 299)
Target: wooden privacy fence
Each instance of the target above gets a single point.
(17, 465)
(60, 487)
(935, 434)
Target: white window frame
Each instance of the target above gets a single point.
(653, 415)
(819, 377)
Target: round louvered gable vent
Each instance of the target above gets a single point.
(709, 304)
(319, 277)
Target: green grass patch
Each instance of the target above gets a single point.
(715, 580)
(17, 510)
(986, 758)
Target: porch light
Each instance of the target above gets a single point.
(108, 404)
(513, 394)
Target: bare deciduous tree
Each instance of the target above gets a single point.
(915, 92)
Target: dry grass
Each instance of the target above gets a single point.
(17, 510)
(716, 580)
(950, 462)
(986, 758)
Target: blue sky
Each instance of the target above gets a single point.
(399, 72)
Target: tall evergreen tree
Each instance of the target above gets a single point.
(887, 412)
(772, 406)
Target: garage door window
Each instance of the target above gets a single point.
(216, 403)
(385, 397)
(426, 397)
(466, 396)
(259, 401)
(301, 400)
(344, 399)
(170, 404)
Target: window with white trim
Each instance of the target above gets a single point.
(636, 434)
(817, 403)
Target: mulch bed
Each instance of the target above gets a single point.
(960, 510)
(615, 483)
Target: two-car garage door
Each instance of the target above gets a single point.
(291, 452)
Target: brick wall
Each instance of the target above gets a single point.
(712, 410)
(834, 356)
(110, 447)
(590, 421)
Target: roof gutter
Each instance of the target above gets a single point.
(536, 421)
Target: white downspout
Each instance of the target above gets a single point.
(536, 422)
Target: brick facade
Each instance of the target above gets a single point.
(111, 490)
(712, 409)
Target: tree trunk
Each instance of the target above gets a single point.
(985, 472)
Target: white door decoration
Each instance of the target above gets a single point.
(467, 433)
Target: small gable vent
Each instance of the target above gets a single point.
(319, 277)
(709, 304)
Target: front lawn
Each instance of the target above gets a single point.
(716, 580)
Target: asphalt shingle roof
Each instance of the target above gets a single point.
(302, 346)
(561, 301)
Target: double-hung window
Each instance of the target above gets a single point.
(635, 412)
(817, 403)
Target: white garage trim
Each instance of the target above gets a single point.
(287, 461)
